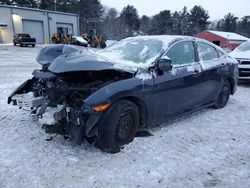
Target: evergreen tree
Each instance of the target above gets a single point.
(181, 25)
(25, 3)
(66, 5)
(59, 5)
(130, 18)
(5, 2)
(111, 26)
(90, 12)
(229, 23)
(145, 24)
(47, 5)
(244, 26)
(162, 23)
(198, 19)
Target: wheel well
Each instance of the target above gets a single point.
(142, 110)
(232, 85)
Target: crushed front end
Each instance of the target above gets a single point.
(56, 101)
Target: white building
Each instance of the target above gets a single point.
(40, 24)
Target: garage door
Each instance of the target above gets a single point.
(35, 29)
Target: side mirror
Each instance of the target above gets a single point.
(164, 64)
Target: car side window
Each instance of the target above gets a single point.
(182, 53)
(207, 52)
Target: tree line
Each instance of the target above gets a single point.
(114, 25)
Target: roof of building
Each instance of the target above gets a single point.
(229, 35)
(38, 10)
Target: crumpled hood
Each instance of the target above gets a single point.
(83, 60)
(50, 52)
(68, 58)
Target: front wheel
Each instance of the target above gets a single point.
(223, 96)
(119, 128)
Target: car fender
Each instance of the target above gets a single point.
(133, 88)
(125, 88)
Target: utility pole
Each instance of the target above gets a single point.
(55, 4)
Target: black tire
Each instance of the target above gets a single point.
(14, 44)
(33, 45)
(21, 44)
(93, 44)
(119, 127)
(103, 45)
(223, 96)
(54, 40)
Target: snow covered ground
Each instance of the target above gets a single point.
(210, 148)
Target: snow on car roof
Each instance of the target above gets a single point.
(229, 35)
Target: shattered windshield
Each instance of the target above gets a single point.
(134, 50)
(244, 47)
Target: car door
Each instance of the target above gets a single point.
(178, 90)
(213, 64)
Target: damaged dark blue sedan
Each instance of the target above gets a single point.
(107, 96)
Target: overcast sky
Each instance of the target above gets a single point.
(216, 8)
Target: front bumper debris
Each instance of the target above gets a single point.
(37, 106)
(27, 101)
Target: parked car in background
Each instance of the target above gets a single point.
(242, 54)
(24, 39)
(107, 95)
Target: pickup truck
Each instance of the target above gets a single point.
(24, 39)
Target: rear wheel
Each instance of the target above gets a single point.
(21, 44)
(14, 44)
(223, 96)
(119, 128)
(33, 45)
(103, 44)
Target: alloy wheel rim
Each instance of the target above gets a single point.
(124, 128)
